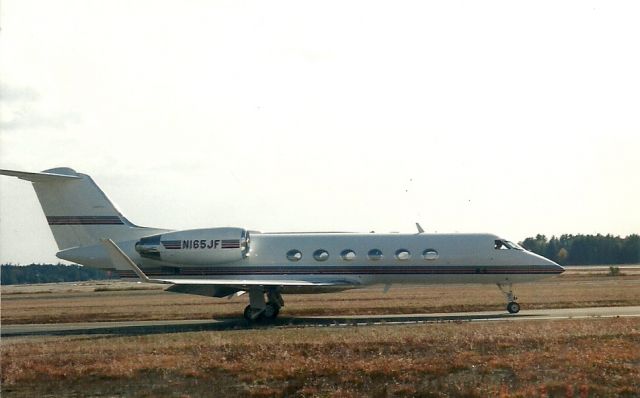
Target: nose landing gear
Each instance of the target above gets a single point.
(512, 306)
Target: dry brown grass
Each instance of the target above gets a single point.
(82, 303)
(530, 359)
(536, 358)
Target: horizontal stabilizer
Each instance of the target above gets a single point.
(38, 177)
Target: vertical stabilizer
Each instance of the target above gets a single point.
(77, 211)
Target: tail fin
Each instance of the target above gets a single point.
(77, 211)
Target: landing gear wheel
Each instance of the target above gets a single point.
(513, 307)
(271, 311)
(261, 310)
(247, 313)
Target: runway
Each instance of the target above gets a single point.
(132, 328)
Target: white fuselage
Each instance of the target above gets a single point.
(374, 259)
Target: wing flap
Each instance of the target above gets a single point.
(251, 282)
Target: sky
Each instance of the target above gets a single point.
(515, 118)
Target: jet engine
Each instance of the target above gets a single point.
(196, 246)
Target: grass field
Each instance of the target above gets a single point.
(561, 358)
(581, 358)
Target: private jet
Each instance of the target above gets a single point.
(230, 261)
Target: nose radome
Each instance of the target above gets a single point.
(548, 264)
(559, 268)
(553, 265)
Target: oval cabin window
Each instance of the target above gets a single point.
(375, 254)
(430, 254)
(294, 255)
(321, 255)
(403, 254)
(348, 255)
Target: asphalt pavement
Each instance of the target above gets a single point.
(128, 328)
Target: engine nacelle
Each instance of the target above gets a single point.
(196, 246)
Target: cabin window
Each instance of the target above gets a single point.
(321, 255)
(403, 254)
(348, 255)
(375, 254)
(430, 254)
(294, 255)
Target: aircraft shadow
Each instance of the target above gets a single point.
(241, 324)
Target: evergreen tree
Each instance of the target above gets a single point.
(46, 273)
(587, 249)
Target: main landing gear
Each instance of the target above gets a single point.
(513, 307)
(260, 309)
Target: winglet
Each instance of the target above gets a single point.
(121, 261)
(420, 230)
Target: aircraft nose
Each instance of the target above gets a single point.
(552, 265)
(558, 267)
(547, 264)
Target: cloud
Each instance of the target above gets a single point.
(22, 108)
(10, 94)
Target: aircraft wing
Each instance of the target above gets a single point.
(248, 282)
(122, 262)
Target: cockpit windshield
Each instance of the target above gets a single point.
(501, 244)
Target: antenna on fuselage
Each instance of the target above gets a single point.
(420, 230)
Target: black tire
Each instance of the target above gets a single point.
(271, 311)
(513, 307)
(247, 313)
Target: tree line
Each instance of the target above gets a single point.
(586, 249)
(46, 273)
